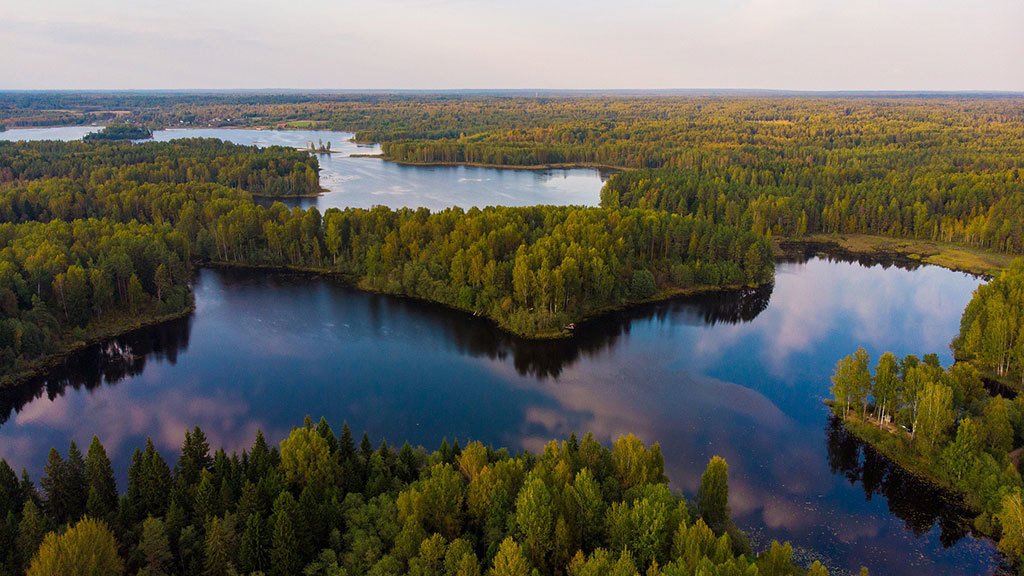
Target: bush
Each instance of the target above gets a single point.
(643, 285)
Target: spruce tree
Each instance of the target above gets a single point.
(102, 488)
(155, 547)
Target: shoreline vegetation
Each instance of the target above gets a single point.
(532, 270)
(844, 247)
(107, 329)
(947, 426)
(548, 166)
(321, 503)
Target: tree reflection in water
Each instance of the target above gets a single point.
(103, 364)
(108, 362)
(918, 503)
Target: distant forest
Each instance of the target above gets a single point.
(937, 167)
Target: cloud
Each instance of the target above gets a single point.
(788, 44)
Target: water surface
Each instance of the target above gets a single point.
(366, 182)
(740, 375)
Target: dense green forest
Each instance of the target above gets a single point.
(946, 424)
(120, 132)
(992, 328)
(940, 167)
(531, 270)
(321, 505)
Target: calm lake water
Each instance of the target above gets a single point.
(741, 375)
(367, 182)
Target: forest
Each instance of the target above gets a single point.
(322, 505)
(120, 132)
(941, 167)
(992, 328)
(178, 204)
(950, 425)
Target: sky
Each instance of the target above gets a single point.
(513, 44)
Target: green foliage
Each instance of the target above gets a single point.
(992, 326)
(576, 508)
(155, 548)
(306, 459)
(643, 285)
(120, 132)
(102, 234)
(87, 549)
(713, 495)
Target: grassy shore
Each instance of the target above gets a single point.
(951, 256)
(97, 331)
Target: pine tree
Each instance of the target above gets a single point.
(260, 459)
(155, 547)
(284, 558)
(324, 430)
(156, 481)
(195, 456)
(11, 498)
(102, 488)
(252, 553)
(205, 504)
(31, 531)
(218, 561)
(346, 445)
(54, 484)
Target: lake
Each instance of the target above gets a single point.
(741, 375)
(367, 182)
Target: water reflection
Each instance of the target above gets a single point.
(919, 504)
(741, 375)
(105, 363)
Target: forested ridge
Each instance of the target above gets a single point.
(948, 424)
(323, 505)
(153, 210)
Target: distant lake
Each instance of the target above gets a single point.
(741, 375)
(368, 182)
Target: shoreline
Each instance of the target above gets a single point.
(898, 250)
(44, 364)
(841, 246)
(547, 335)
(549, 166)
(860, 429)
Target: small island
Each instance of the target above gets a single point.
(115, 132)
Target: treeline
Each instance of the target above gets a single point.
(61, 282)
(120, 132)
(323, 505)
(939, 168)
(944, 424)
(992, 328)
(531, 270)
(88, 239)
(978, 210)
(271, 171)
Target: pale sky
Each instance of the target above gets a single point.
(531, 44)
